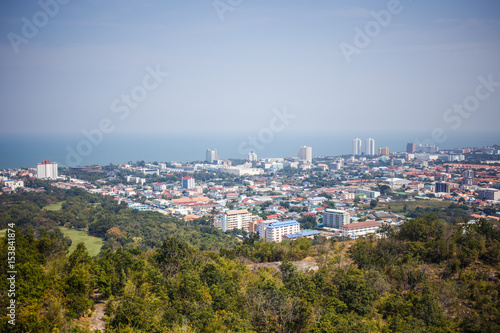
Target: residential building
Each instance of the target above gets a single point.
(147, 171)
(427, 149)
(275, 232)
(468, 177)
(13, 184)
(356, 146)
(305, 153)
(211, 156)
(159, 186)
(46, 170)
(137, 180)
(370, 147)
(335, 218)
(369, 193)
(489, 194)
(442, 187)
(383, 151)
(359, 229)
(236, 219)
(411, 148)
(252, 157)
(241, 171)
(261, 229)
(187, 182)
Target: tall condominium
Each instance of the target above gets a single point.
(442, 187)
(46, 170)
(468, 177)
(370, 146)
(305, 153)
(334, 218)
(429, 149)
(356, 146)
(211, 155)
(411, 148)
(236, 219)
(187, 182)
(252, 157)
(383, 151)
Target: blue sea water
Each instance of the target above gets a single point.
(18, 150)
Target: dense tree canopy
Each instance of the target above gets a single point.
(427, 276)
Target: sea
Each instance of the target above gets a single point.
(26, 150)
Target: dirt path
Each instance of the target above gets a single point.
(301, 265)
(97, 319)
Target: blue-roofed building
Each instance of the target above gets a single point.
(276, 231)
(303, 233)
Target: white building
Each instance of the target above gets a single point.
(13, 184)
(275, 232)
(162, 203)
(159, 186)
(252, 157)
(348, 196)
(335, 218)
(46, 170)
(305, 153)
(316, 200)
(369, 193)
(370, 147)
(358, 229)
(211, 156)
(241, 171)
(356, 146)
(137, 180)
(236, 219)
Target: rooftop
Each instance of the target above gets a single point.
(235, 212)
(303, 233)
(283, 224)
(360, 225)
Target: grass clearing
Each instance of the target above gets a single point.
(55, 206)
(92, 243)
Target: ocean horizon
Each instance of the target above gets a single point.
(23, 151)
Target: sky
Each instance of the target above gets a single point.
(240, 66)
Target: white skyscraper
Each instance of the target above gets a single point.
(46, 170)
(356, 146)
(252, 156)
(211, 155)
(305, 153)
(370, 146)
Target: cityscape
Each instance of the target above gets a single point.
(250, 166)
(422, 172)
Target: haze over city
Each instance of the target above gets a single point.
(230, 65)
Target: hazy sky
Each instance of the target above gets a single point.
(230, 63)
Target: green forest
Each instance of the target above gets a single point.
(160, 274)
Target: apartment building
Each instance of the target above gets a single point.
(275, 232)
(236, 219)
